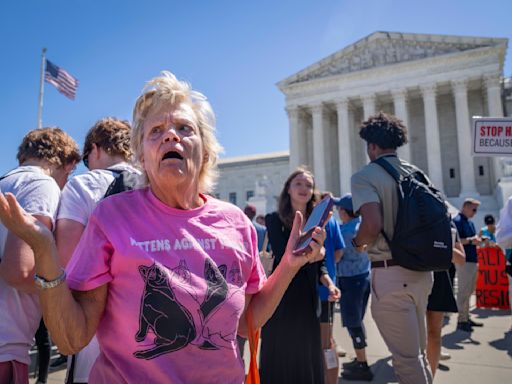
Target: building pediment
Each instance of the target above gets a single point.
(388, 48)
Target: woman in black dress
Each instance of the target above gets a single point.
(441, 300)
(291, 349)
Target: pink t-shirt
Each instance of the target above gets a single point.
(177, 281)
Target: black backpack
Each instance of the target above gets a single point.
(422, 239)
(125, 180)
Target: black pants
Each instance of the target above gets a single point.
(43, 351)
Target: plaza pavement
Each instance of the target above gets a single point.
(484, 357)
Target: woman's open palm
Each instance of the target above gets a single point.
(23, 225)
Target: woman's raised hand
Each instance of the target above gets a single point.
(23, 225)
(317, 250)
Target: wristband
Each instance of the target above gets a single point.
(42, 283)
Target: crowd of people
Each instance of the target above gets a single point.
(138, 273)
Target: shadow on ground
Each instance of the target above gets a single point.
(504, 344)
(457, 339)
(482, 313)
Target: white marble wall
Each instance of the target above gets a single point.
(241, 176)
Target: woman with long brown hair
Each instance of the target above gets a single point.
(291, 350)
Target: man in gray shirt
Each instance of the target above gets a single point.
(399, 295)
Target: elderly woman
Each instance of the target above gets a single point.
(165, 274)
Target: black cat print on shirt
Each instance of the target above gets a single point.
(170, 321)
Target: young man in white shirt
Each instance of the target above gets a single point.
(106, 153)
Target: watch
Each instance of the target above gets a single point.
(354, 244)
(42, 283)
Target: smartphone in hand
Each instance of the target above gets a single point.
(317, 219)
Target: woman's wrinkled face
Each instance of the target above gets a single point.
(301, 189)
(172, 146)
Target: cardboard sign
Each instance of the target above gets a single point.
(492, 282)
(492, 136)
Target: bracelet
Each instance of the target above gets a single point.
(42, 283)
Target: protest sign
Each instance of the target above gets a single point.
(492, 282)
(492, 136)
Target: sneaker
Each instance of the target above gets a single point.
(340, 351)
(445, 356)
(475, 323)
(59, 361)
(360, 372)
(350, 364)
(464, 326)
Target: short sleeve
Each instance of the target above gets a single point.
(339, 243)
(363, 191)
(40, 197)
(79, 199)
(257, 277)
(89, 267)
(460, 227)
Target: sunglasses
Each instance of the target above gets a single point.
(474, 209)
(85, 159)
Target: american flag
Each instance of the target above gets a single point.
(60, 79)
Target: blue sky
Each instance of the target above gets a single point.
(232, 51)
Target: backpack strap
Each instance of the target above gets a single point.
(396, 176)
(117, 171)
(388, 168)
(14, 173)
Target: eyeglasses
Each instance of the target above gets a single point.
(474, 209)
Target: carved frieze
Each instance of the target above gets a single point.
(381, 52)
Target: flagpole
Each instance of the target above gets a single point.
(41, 91)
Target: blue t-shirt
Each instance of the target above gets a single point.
(489, 234)
(466, 228)
(352, 263)
(333, 242)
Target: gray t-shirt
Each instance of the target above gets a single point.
(372, 184)
(20, 312)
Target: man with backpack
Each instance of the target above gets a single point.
(107, 155)
(401, 235)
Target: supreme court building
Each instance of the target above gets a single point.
(434, 83)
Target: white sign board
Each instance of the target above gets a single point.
(492, 136)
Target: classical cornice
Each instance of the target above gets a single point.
(389, 48)
(481, 57)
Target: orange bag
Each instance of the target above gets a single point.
(253, 376)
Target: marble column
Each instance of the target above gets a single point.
(368, 110)
(319, 129)
(464, 138)
(495, 109)
(400, 103)
(295, 150)
(493, 88)
(435, 167)
(345, 161)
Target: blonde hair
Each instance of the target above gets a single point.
(167, 89)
